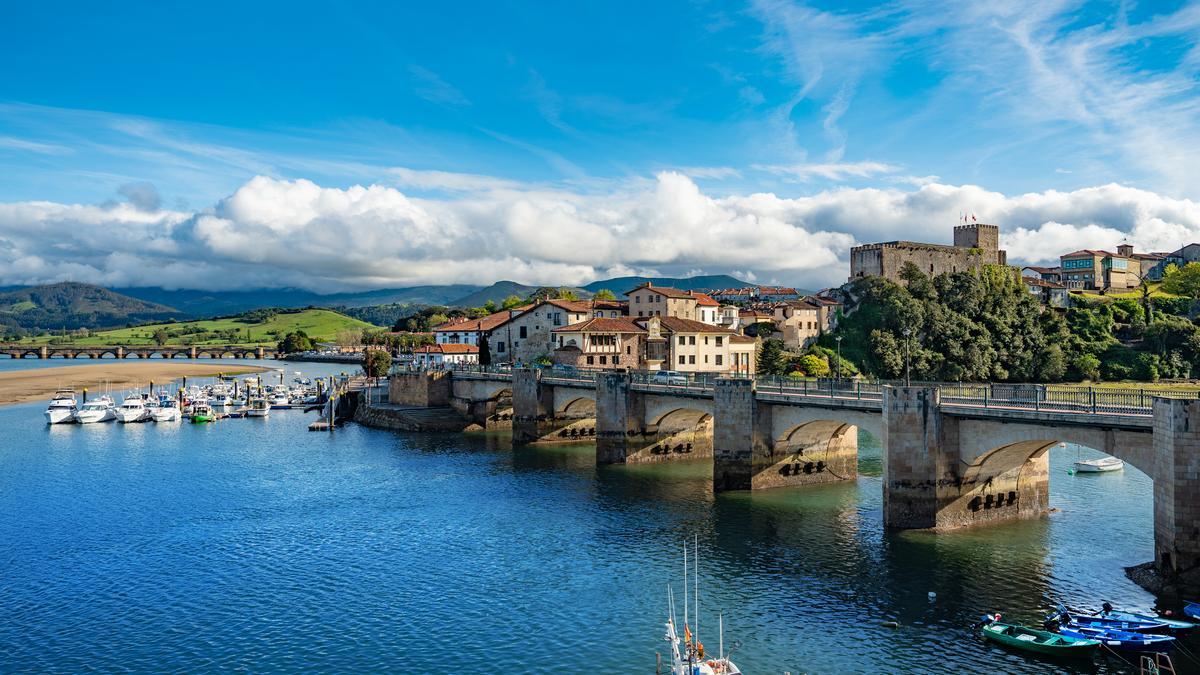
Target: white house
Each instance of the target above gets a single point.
(444, 355)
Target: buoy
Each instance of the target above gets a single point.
(891, 624)
(932, 595)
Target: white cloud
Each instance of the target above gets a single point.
(279, 233)
(32, 146)
(431, 87)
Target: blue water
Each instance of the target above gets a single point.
(259, 545)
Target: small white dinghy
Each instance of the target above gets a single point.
(1099, 465)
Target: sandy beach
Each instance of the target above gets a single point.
(41, 383)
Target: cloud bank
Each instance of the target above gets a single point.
(294, 233)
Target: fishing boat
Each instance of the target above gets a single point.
(687, 655)
(1038, 641)
(132, 409)
(98, 410)
(167, 410)
(1102, 465)
(1066, 618)
(1120, 640)
(258, 407)
(62, 407)
(202, 412)
(1173, 625)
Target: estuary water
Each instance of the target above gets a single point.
(256, 544)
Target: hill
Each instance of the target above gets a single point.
(500, 290)
(73, 305)
(197, 304)
(259, 327)
(620, 285)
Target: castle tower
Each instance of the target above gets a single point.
(978, 235)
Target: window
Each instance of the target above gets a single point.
(719, 341)
(628, 349)
(616, 360)
(691, 339)
(523, 332)
(639, 312)
(558, 318)
(591, 360)
(719, 359)
(706, 358)
(604, 360)
(682, 340)
(692, 359)
(638, 299)
(681, 360)
(705, 339)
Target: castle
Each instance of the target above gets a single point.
(975, 245)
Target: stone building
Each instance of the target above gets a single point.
(975, 245)
(1091, 269)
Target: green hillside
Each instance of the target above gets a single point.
(264, 327)
(71, 305)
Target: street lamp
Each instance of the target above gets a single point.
(838, 371)
(907, 381)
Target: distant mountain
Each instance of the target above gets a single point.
(201, 304)
(500, 290)
(620, 285)
(73, 305)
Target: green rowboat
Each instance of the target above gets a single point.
(1039, 641)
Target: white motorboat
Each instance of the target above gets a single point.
(62, 407)
(259, 407)
(167, 410)
(1099, 465)
(280, 400)
(98, 410)
(132, 409)
(687, 655)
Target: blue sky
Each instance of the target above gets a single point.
(784, 126)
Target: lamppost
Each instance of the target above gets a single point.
(838, 370)
(907, 333)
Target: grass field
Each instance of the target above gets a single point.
(320, 324)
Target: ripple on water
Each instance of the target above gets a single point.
(254, 544)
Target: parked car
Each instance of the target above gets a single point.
(669, 377)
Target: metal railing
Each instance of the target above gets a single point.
(1120, 401)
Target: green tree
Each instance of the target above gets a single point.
(1088, 366)
(376, 362)
(512, 301)
(294, 342)
(813, 365)
(772, 359)
(604, 294)
(161, 337)
(1182, 280)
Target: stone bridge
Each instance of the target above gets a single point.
(139, 351)
(951, 457)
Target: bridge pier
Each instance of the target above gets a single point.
(1177, 489)
(43, 352)
(758, 445)
(533, 408)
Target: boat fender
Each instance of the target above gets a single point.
(891, 624)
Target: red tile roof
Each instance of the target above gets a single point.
(447, 349)
(473, 325)
(602, 325)
(675, 324)
(662, 290)
(703, 299)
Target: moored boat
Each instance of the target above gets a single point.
(202, 412)
(97, 410)
(1173, 625)
(1102, 465)
(1192, 609)
(132, 409)
(1120, 640)
(62, 407)
(687, 656)
(258, 407)
(1087, 621)
(166, 411)
(1037, 641)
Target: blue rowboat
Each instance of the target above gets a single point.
(1192, 609)
(1087, 621)
(1119, 640)
(1173, 625)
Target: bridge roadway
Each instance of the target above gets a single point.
(953, 454)
(140, 351)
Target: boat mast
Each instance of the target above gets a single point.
(696, 587)
(721, 636)
(685, 592)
